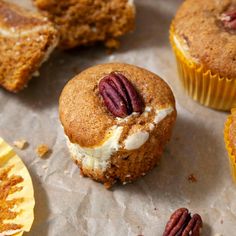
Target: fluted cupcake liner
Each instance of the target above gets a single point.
(232, 157)
(202, 84)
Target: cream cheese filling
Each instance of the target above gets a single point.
(98, 157)
(139, 138)
(136, 140)
(183, 47)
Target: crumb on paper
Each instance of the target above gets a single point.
(42, 150)
(222, 222)
(155, 209)
(192, 178)
(21, 144)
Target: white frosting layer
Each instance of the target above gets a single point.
(97, 157)
(136, 140)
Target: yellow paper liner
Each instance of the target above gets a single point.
(202, 84)
(25, 193)
(232, 157)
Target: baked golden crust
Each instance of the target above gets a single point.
(26, 39)
(84, 22)
(198, 26)
(82, 112)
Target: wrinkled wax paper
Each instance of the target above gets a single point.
(70, 205)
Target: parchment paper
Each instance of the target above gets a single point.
(70, 205)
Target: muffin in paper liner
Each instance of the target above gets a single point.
(204, 86)
(16, 194)
(232, 157)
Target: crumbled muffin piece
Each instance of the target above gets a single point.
(21, 144)
(42, 150)
(84, 22)
(26, 41)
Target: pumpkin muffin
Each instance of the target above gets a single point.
(203, 36)
(230, 140)
(26, 41)
(84, 22)
(117, 119)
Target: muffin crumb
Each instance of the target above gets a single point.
(42, 150)
(21, 144)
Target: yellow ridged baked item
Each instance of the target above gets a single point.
(16, 193)
(202, 84)
(203, 42)
(230, 147)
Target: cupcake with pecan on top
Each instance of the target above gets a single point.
(203, 37)
(117, 119)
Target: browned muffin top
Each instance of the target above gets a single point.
(85, 117)
(208, 28)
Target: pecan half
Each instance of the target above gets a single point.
(229, 19)
(181, 223)
(119, 95)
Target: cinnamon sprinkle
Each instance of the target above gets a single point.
(8, 186)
